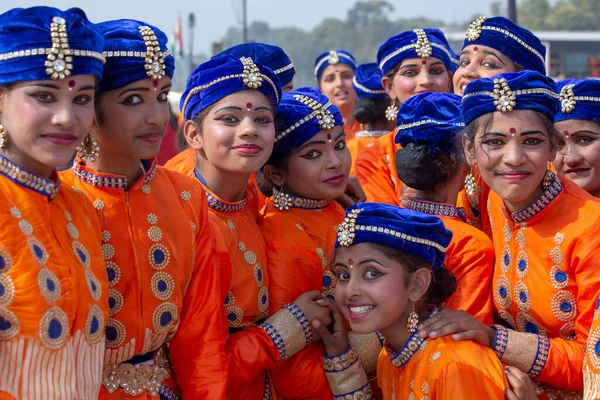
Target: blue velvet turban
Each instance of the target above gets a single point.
(128, 44)
(268, 55)
(430, 119)
(525, 90)
(579, 99)
(339, 56)
(41, 43)
(516, 43)
(367, 82)
(411, 232)
(418, 43)
(302, 114)
(224, 75)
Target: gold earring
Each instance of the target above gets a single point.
(548, 179)
(89, 149)
(413, 320)
(281, 199)
(391, 111)
(3, 138)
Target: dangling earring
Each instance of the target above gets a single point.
(281, 199)
(3, 138)
(413, 320)
(88, 149)
(548, 179)
(391, 111)
(470, 184)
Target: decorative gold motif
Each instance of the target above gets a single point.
(28, 179)
(347, 230)
(423, 46)
(567, 99)
(413, 320)
(251, 76)
(320, 111)
(282, 200)
(54, 328)
(3, 138)
(155, 60)
(11, 326)
(59, 63)
(340, 362)
(504, 97)
(391, 111)
(474, 30)
(333, 57)
(7, 292)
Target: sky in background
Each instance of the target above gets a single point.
(214, 17)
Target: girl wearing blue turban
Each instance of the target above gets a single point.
(545, 234)
(53, 286)
(153, 222)
(389, 262)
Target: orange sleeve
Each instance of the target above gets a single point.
(472, 263)
(591, 366)
(197, 352)
(468, 382)
(374, 175)
(558, 361)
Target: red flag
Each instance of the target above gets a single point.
(178, 34)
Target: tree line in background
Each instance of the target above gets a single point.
(367, 25)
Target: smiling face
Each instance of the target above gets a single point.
(512, 153)
(336, 84)
(478, 61)
(417, 75)
(319, 168)
(131, 121)
(578, 155)
(46, 120)
(237, 133)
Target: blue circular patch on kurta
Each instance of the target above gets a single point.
(523, 297)
(327, 281)
(55, 329)
(227, 300)
(111, 333)
(2, 263)
(530, 327)
(259, 275)
(598, 303)
(81, 255)
(566, 307)
(560, 276)
(597, 348)
(50, 285)
(503, 291)
(4, 324)
(506, 259)
(111, 274)
(112, 302)
(95, 325)
(93, 285)
(162, 286)
(39, 253)
(2, 290)
(231, 317)
(165, 318)
(264, 299)
(159, 256)
(522, 265)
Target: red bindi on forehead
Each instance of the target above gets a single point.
(475, 48)
(566, 133)
(424, 62)
(513, 131)
(249, 106)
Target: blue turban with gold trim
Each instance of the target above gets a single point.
(367, 82)
(411, 232)
(579, 99)
(333, 57)
(134, 51)
(41, 43)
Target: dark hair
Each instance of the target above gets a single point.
(369, 111)
(443, 281)
(420, 168)
(484, 121)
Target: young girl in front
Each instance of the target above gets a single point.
(545, 235)
(431, 164)
(229, 106)
(411, 62)
(389, 262)
(578, 122)
(163, 286)
(53, 284)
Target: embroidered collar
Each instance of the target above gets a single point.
(411, 346)
(551, 192)
(216, 203)
(109, 181)
(285, 201)
(432, 208)
(27, 179)
(369, 134)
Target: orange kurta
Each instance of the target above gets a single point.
(53, 289)
(441, 369)
(545, 282)
(164, 286)
(300, 243)
(361, 140)
(470, 257)
(350, 130)
(185, 163)
(375, 168)
(591, 361)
